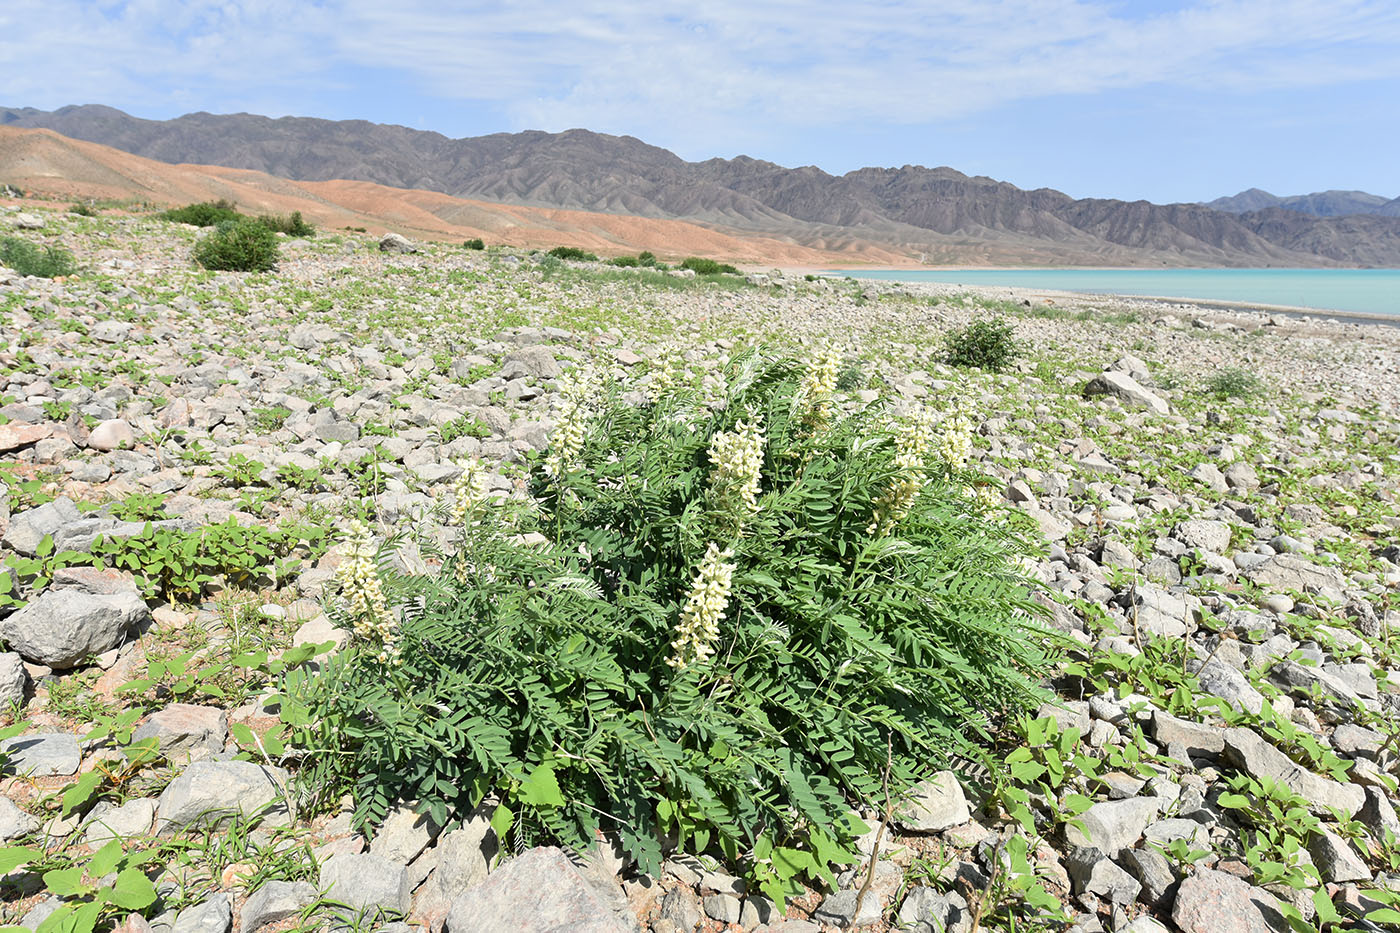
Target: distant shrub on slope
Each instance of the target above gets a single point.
(203, 214)
(707, 266)
(572, 252)
(291, 226)
(26, 258)
(238, 246)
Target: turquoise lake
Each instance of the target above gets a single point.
(1369, 291)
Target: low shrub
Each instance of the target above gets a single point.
(291, 226)
(627, 262)
(739, 617)
(239, 246)
(572, 252)
(26, 258)
(989, 345)
(203, 214)
(83, 210)
(476, 243)
(707, 266)
(646, 258)
(1234, 383)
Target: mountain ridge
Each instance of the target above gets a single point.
(912, 208)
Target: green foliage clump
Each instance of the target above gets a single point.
(626, 262)
(474, 243)
(572, 252)
(1234, 383)
(291, 226)
(989, 345)
(83, 209)
(239, 246)
(26, 258)
(707, 266)
(203, 214)
(547, 675)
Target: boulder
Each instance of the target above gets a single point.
(935, 805)
(1292, 572)
(15, 435)
(1213, 902)
(367, 884)
(13, 679)
(210, 792)
(213, 916)
(113, 434)
(539, 890)
(1113, 825)
(1204, 534)
(64, 626)
(1128, 389)
(47, 754)
(184, 730)
(394, 243)
(274, 901)
(28, 528)
(14, 822)
(1248, 751)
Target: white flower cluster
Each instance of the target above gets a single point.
(955, 438)
(705, 605)
(987, 497)
(571, 429)
(913, 440)
(359, 582)
(737, 460)
(469, 492)
(818, 384)
(662, 381)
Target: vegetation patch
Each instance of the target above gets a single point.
(27, 258)
(238, 246)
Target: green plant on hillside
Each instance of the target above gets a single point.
(739, 618)
(572, 252)
(474, 243)
(26, 258)
(707, 266)
(204, 214)
(291, 226)
(238, 246)
(1234, 383)
(989, 345)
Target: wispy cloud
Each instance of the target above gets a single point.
(684, 72)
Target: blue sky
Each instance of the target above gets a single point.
(1168, 101)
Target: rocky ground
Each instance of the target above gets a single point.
(1216, 491)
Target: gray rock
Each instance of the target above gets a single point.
(112, 434)
(537, 361)
(1144, 924)
(209, 792)
(1160, 611)
(1291, 572)
(366, 884)
(1221, 680)
(681, 908)
(540, 890)
(1128, 389)
(1336, 859)
(1204, 534)
(935, 805)
(1208, 474)
(62, 627)
(927, 910)
(1164, 832)
(213, 916)
(185, 730)
(725, 908)
(40, 912)
(131, 819)
(28, 528)
(1241, 476)
(394, 243)
(839, 908)
(1093, 872)
(1213, 902)
(14, 822)
(43, 755)
(1378, 815)
(1245, 749)
(1304, 678)
(1113, 825)
(403, 835)
(1153, 872)
(274, 901)
(13, 679)
(1198, 738)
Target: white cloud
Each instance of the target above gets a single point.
(686, 72)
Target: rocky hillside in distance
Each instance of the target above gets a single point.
(1317, 204)
(913, 208)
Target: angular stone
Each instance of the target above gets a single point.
(1198, 738)
(13, 679)
(1127, 389)
(1378, 814)
(1208, 474)
(1336, 859)
(934, 805)
(274, 901)
(540, 890)
(44, 755)
(14, 822)
(366, 884)
(537, 361)
(210, 792)
(62, 627)
(1291, 572)
(403, 834)
(722, 907)
(1213, 902)
(840, 908)
(395, 243)
(28, 528)
(1095, 873)
(186, 730)
(213, 916)
(130, 820)
(1113, 825)
(1245, 749)
(1164, 832)
(15, 435)
(1221, 680)
(927, 910)
(1153, 872)
(1204, 534)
